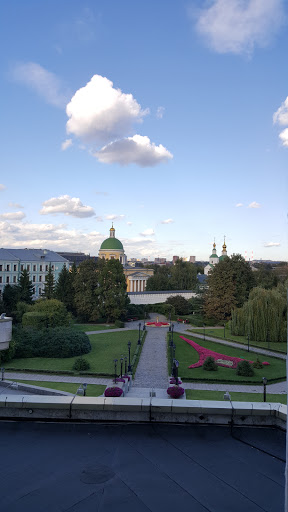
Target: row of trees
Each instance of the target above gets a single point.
(181, 276)
(92, 291)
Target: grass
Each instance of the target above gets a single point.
(219, 333)
(105, 348)
(92, 327)
(200, 394)
(187, 355)
(69, 387)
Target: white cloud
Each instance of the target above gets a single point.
(99, 113)
(134, 150)
(66, 144)
(238, 205)
(284, 137)
(16, 216)
(2, 187)
(238, 26)
(160, 112)
(272, 244)
(129, 223)
(281, 115)
(15, 205)
(167, 221)
(114, 217)
(254, 205)
(147, 232)
(68, 206)
(45, 83)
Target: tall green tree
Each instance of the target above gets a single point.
(10, 298)
(113, 290)
(229, 285)
(161, 280)
(183, 275)
(49, 286)
(86, 286)
(64, 289)
(25, 287)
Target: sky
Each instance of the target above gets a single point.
(169, 119)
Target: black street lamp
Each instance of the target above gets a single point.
(176, 363)
(125, 365)
(204, 330)
(84, 388)
(129, 364)
(248, 340)
(121, 366)
(264, 380)
(172, 330)
(224, 331)
(139, 341)
(2, 373)
(115, 369)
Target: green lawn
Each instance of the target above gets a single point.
(200, 394)
(187, 355)
(92, 389)
(219, 333)
(105, 348)
(92, 327)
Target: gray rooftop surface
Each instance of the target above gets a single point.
(140, 467)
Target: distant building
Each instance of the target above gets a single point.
(35, 261)
(214, 259)
(136, 279)
(192, 259)
(76, 257)
(175, 258)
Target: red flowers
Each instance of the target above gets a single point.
(175, 391)
(113, 391)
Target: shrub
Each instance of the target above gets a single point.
(35, 319)
(257, 364)
(113, 391)
(244, 369)
(57, 342)
(119, 324)
(209, 365)
(175, 391)
(81, 364)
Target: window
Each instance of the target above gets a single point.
(28, 268)
(7, 279)
(40, 268)
(22, 268)
(33, 290)
(34, 279)
(40, 278)
(0, 279)
(15, 268)
(52, 267)
(34, 268)
(14, 279)
(8, 267)
(1, 268)
(39, 291)
(46, 268)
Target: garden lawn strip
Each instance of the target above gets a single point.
(105, 348)
(92, 389)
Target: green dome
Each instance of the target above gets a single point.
(213, 256)
(111, 243)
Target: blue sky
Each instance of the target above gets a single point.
(168, 118)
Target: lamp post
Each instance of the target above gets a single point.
(129, 364)
(224, 331)
(139, 341)
(84, 387)
(115, 369)
(2, 373)
(172, 330)
(176, 365)
(121, 366)
(248, 340)
(204, 330)
(264, 380)
(125, 358)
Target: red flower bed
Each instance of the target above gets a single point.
(175, 391)
(113, 391)
(157, 324)
(220, 359)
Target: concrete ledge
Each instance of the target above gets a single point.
(142, 410)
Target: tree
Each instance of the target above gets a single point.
(180, 304)
(265, 276)
(160, 280)
(229, 285)
(64, 289)
(55, 312)
(25, 287)
(112, 290)
(183, 276)
(49, 285)
(86, 286)
(10, 298)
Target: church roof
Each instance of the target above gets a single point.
(112, 243)
(213, 256)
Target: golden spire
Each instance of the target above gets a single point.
(224, 245)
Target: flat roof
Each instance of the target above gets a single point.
(141, 467)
